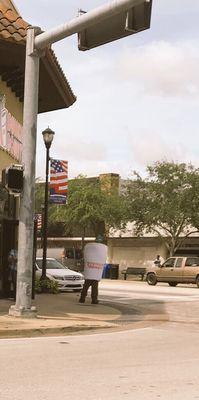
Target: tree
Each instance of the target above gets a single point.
(54, 228)
(39, 195)
(165, 202)
(89, 208)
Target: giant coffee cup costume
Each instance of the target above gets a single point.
(95, 255)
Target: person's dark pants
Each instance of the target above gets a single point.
(14, 282)
(94, 290)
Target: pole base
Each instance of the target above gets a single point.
(23, 312)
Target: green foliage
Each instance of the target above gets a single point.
(39, 195)
(45, 286)
(54, 228)
(164, 203)
(89, 207)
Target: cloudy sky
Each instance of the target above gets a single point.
(137, 98)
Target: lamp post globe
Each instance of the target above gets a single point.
(48, 136)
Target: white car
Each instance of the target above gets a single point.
(66, 278)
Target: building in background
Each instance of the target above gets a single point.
(124, 247)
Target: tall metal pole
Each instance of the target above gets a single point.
(26, 215)
(45, 222)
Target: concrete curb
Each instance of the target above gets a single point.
(59, 331)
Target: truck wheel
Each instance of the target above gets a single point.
(151, 279)
(172, 283)
(197, 281)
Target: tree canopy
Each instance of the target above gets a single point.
(165, 202)
(91, 208)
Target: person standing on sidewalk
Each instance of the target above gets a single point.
(12, 265)
(95, 255)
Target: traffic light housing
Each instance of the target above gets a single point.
(12, 179)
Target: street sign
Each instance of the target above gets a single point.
(117, 26)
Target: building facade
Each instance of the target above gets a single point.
(54, 93)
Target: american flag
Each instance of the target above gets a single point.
(58, 180)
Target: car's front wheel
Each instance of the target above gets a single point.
(197, 281)
(151, 279)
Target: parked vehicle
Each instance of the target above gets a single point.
(71, 257)
(66, 278)
(175, 270)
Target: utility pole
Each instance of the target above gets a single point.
(36, 43)
(23, 305)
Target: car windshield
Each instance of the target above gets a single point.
(51, 264)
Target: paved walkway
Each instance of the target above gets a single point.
(63, 314)
(57, 314)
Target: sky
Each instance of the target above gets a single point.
(137, 98)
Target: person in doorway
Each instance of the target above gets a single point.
(95, 255)
(12, 265)
(158, 261)
(63, 256)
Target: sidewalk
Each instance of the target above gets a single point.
(57, 314)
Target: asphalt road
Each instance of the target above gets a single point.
(155, 362)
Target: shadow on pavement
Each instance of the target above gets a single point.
(135, 310)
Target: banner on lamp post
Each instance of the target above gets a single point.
(58, 181)
(38, 218)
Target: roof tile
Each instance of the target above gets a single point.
(5, 34)
(4, 22)
(13, 28)
(11, 21)
(17, 36)
(10, 15)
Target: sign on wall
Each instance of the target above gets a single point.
(10, 133)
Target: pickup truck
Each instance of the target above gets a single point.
(175, 270)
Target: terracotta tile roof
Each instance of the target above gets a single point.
(13, 29)
(12, 26)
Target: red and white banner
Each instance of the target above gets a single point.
(38, 218)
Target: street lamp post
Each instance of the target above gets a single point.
(48, 135)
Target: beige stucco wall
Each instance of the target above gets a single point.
(5, 160)
(134, 251)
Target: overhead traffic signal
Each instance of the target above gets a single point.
(114, 27)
